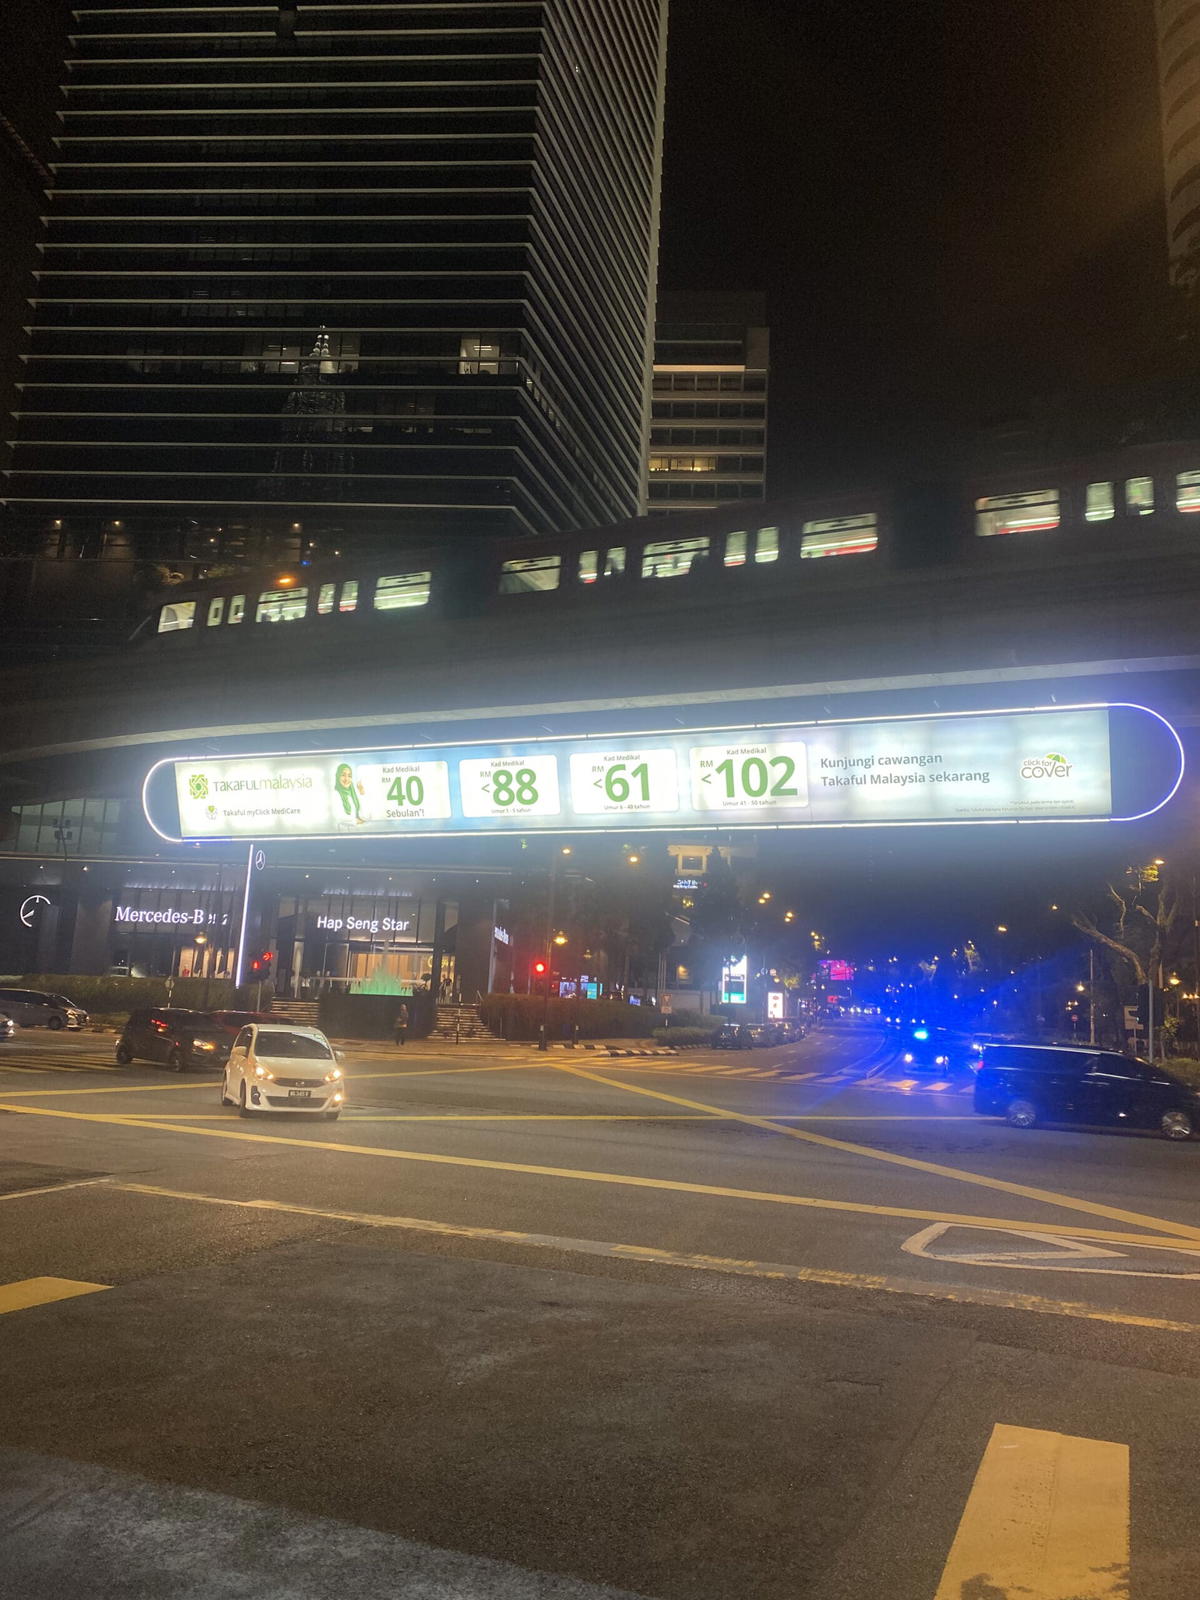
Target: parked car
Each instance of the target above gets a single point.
(177, 1038)
(8, 1027)
(278, 1067)
(1029, 1084)
(33, 1008)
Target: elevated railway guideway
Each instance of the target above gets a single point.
(1002, 624)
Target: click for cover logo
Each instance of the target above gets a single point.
(198, 786)
(1047, 766)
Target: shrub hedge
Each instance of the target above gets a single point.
(110, 995)
(684, 1036)
(1185, 1067)
(519, 1016)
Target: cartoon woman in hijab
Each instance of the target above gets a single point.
(348, 791)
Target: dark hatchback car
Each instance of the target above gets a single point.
(1033, 1083)
(176, 1038)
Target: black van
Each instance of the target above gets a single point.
(1033, 1083)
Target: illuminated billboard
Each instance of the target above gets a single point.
(1077, 763)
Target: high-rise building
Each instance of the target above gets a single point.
(1179, 85)
(341, 274)
(707, 440)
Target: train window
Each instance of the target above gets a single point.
(838, 536)
(326, 595)
(589, 566)
(530, 574)
(174, 618)
(281, 605)
(237, 608)
(1139, 497)
(673, 558)
(1187, 491)
(1098, 506)
(735, 549)
(1034, 510)
(614, 561)
(766, 546)
(349, 600)
(402, 590)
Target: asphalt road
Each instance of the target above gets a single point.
(783, 1323)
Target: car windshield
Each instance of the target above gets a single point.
(297, 1046)
(61, 1000)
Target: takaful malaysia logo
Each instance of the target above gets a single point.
(1048, 766)
(198, 786)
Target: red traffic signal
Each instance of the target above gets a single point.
(267, 957)
(539, 968)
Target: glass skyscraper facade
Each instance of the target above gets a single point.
(326, 275)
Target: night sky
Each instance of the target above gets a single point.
(953, 206)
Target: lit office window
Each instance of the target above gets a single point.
(673, 558)
(1139, 497)
(1033, 511)
(683, 463)
(478, 356)
(1187, 491)
(216, 612)
(735, 549)
(1099, 506)
(527, 575)
(174, 618)
(237, 608)
(838, 536)
(281, 605)
(402, 591)
(349, 600)
(766, 547)
(326, 596)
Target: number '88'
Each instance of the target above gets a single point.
(519, 788)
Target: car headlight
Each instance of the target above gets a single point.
(203, 1044)
(942, 1061)
(908, 1057)
(333, 1075)
(261, 1072)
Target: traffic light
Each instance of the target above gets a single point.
(261, 965)
(539, 969)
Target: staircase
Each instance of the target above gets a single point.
(460, 1022)
(302, 1012)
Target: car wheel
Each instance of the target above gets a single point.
(177, 1061)
(225, 1100)
(243, 1109)
(1022, 1114)
(123, 1055)
(54, 1024)
(1176, 1125)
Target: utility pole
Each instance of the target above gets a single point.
(548, 946)
(1091, 995)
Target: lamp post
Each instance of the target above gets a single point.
(548, 945)
(201, 942)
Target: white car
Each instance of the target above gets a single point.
(278, 1067)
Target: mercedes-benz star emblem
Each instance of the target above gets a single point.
(29, 908)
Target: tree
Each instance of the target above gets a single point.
(1141, 918)
(716, 924)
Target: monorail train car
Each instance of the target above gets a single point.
(1085, 517)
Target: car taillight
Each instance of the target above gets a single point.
(976, 1064)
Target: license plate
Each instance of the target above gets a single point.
(299, 1094)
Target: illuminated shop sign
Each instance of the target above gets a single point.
(175, 917)
(1072, 764)
(733, 982)
(357, 927)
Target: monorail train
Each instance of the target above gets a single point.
(1142, 502)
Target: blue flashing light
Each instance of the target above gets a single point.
(920, 1033)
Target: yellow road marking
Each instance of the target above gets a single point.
(582, 1175)
(958, 1174)
(41, 1291)
(211, 1083)
(50, 1188)
(829, 1277)
(352, 1114)
(1048, 1517)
